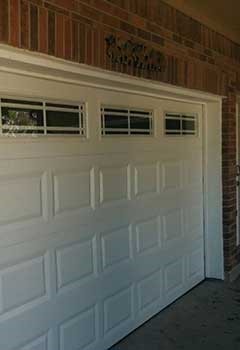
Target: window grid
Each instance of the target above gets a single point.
(44, 108)
(181, 131)
(129, 113)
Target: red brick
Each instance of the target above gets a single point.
(14, 23)
(82, 43)
(110, 21)
(34, 27)
(87, 11)
(75, 41)
(60, 35)
(56, 9)
(89, 46)
(43, 25)
(68, 39)
(51, 33)
(67, 5)
(128, 28)
(24, 24)
(4, 20)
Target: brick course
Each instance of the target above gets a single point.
(197, 58)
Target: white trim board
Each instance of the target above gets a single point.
(48, 67)
(21, 63)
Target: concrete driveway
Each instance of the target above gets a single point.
(208, 318)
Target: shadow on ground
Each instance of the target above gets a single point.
(208, 318)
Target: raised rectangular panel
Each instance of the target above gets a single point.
(173, 224)
(22, 283)
(148, 235)
(116, 247)
(174, 275)
(22, 198)
(172, 176)
(118, 309)
(146, 179)
(194, 219)
(75, 263)
(114, 184)
(149, 290)
(80, 331)
(38, 344)
(194, 171)
(195, 263)
(72, 191)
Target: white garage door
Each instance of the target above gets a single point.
(101, 214)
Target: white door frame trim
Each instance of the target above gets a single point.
(20, 62)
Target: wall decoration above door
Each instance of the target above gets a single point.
(135, 54)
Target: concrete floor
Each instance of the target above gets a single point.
(208, 318)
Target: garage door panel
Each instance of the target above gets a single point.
(73, 190)
(148, 235)
(76, 263)
(24, 284)
(146, 179)
(116, 247)
(193, 173)
(172, 175)
(194, 266)
(118, 309)
(194, 219)
(41, 343)
(80, 331)
(98, 235)
(114, 184)
(15, 209)
(173, 225)
(25, 336)
(149, 291)
(174, 277)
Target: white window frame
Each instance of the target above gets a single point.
(181, 132)
(43, 106)
(127, 131)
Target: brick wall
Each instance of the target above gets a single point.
(197, 58)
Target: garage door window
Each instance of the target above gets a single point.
(180, 124)
(126, 121)
(32, 117)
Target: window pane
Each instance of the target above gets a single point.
(21, 117)
(116, 121)
(173, 124)
(188, 125)
(62, 119)
(125, 121)
(140, 123)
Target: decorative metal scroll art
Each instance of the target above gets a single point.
(135, 54)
